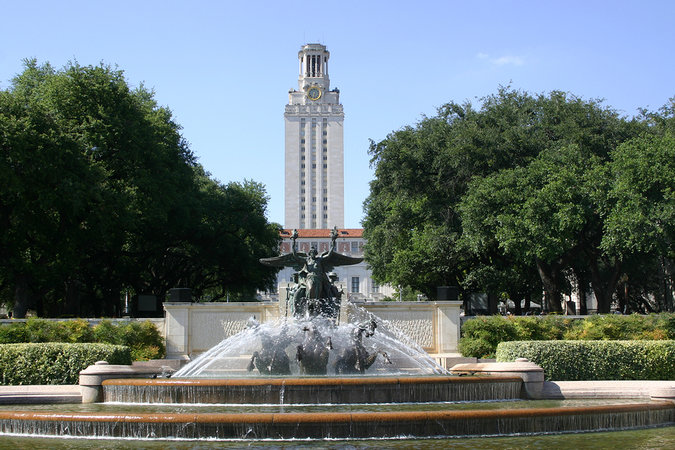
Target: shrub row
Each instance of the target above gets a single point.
(596, 360)
(142, 338)
(54, 363)
(481, 335)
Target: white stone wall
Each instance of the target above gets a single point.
(192, 328)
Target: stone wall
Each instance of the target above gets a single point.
(192, 328)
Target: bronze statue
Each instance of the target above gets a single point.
(314, 293)
(356, 359)
(272, 358)
(312, 354)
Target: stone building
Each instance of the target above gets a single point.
(314, 170)
(314, 163)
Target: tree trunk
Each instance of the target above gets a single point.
(71, 305)
(528, 300)
(22, 297)
(582, 288)
(518, 311)
(549, 279)
(604, 290)
(492, 299)
(668, 285)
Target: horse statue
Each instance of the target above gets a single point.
(355, 358)
(312, 354)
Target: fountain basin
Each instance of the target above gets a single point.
(338, 425)
(321, 390)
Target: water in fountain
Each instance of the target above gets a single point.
(320, 336)
(360, 344)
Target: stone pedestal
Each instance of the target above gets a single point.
(91, 378)
(663, 393)
(531, 374)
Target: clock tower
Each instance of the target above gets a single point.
(314, 165)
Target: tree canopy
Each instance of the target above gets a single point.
(521, 195)
(100, 194)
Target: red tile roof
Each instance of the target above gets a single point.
(323, 233)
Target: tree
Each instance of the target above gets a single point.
(101, 194)
(413, 222)
(641, 219)
(542, 214)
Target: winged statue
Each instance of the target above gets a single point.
(314, 292)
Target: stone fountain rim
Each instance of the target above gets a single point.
(309, 381)
(333, 417)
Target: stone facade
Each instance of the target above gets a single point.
(193, 328)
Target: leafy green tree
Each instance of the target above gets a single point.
(543, 213)
(641, 220)
(422, 173)
(100, 194)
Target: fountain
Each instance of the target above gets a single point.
(328, 369)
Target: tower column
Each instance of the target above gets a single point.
(319, 109)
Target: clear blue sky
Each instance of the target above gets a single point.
(224, 68)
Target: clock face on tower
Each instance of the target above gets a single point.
(314, 93)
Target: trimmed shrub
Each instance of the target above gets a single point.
(596, 360)
(142, 338)
(540, 329)
(14, 333)
(481, 335)
(54, 363)
(616, 326)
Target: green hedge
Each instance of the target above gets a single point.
(54, 363)
(596, 360)
(142, 338)
(481, 335)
